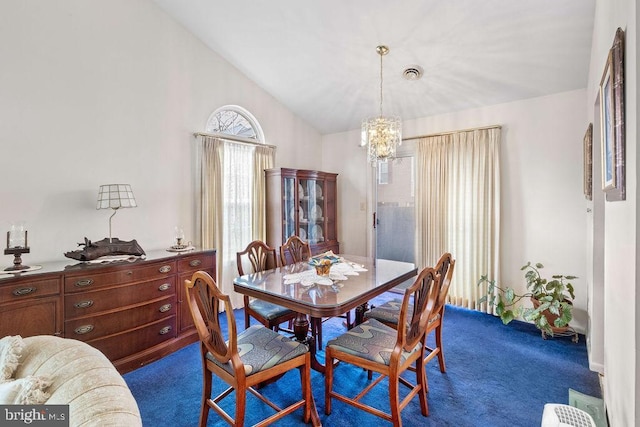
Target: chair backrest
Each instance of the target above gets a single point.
(444, 268)
(258, 255)
(204, 298)
(423, 294)
(294, 250)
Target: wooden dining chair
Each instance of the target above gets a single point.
(264, 355)
(294, 250)
(376, 347)
(256, 257)
(389, 312)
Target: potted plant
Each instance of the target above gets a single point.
(552, 300)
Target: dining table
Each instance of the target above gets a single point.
(352, 281)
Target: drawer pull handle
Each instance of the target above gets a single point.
(24, 291)
(84, 283)
(165, 330)
(83, 304)
(165, 269)
(165, 308)
(164, 287)
(129, 273)
(84, 329)
(195, 262)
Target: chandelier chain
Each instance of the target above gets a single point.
(381, 55)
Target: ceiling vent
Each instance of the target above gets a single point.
(413, 72)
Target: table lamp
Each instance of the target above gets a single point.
(115, 196)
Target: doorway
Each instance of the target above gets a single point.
(395, 210)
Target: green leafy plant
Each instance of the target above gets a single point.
(554, 296)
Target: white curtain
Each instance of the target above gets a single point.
(458, 207)
(232, 202)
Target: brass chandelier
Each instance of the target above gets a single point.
(381, 134)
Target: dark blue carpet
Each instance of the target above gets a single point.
(496, 376)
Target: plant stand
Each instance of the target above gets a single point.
(565, 332)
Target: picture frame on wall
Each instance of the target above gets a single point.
(612, 126)
(588, 162)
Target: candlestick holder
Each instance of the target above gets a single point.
(17, 252)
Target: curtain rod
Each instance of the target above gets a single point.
(234, 139)
(452, 132)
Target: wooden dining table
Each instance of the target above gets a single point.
(295, 287)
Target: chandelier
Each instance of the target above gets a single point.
(381, 134)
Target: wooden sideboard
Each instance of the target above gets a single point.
(134, 312)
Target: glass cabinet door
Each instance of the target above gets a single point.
(289, 208)
(311, 195)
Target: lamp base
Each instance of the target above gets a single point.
(105, 247)
(17, 258)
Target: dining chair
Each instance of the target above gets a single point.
(244, 360)
(294, 250)
(258, 256)
(376, 347)
(389, 312)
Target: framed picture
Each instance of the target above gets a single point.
(588, 162)
(612, 121)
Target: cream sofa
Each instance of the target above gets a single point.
(82, 377)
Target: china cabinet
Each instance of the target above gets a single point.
(302, 203)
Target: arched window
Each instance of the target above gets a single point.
(234, 156)
(236, 121)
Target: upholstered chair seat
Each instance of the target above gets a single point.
(371, 340)
(389, 313)
(260, 349)
(269, 311)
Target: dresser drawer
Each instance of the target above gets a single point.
(29, 289)
(130, 342)
(88, 328)
(129, 274)
(87, 303)
(196, 262)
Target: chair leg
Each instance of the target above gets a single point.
(305, 378)
(421, 379)
(394, 401)
(443, 367)
(206, 395)
(246, 312)
(241, 402)
(316, 331)
(328, 381)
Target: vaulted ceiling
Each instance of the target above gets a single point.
(319, 58)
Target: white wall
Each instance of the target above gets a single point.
(542, 201)
(617, 223)
(95, 92)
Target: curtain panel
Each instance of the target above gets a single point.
(458, 207)
(232, 202)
